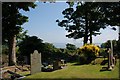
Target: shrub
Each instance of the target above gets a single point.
(87, 53)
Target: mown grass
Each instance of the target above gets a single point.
(79, 71)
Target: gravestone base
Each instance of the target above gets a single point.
(110, 68)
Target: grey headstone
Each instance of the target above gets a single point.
(35, 62)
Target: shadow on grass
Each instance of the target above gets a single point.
(104, 62)
(47, 70)
(42, 71)
(27, 74)
(104, 69)
(76, 64)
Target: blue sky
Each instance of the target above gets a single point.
(42, 23)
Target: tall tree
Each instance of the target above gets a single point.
(112, 16)
(87, 19)
(12, 20)
(80, 22)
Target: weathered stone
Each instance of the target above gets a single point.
(35, 62)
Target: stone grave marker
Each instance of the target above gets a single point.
(35, 62)
(56, 65)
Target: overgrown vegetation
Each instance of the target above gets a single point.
(49, 52)
(87, 53)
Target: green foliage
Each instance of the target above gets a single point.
(111, 12)
(4, 60)
(70, 46)
(87, 53)
(88, 18)
(107, 44)
(5, 49)
(103, 52)
(29, 44)
(118, 45)
(12, 20)
(48, 50)
(27, 47)
(81, 22)
(48, 47)
(71, 52)
(21, 36)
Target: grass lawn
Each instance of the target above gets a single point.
(78, 71)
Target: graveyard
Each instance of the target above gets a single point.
(78, 72)
(71, 70)
(91, 40)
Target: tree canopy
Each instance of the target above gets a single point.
(29, 44)
(88, 18)
(12, 20)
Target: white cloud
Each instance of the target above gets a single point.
(106, 34)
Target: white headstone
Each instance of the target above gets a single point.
(35, 62)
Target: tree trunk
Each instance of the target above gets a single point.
(86, 28)
(12, 50)
(90, 37)
(90, 31)
(12, 36)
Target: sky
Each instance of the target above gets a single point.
(42, 23)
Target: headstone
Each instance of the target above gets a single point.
(62, 63)
(112, 61)
(109, 60)
(56, 65)
(35, 62)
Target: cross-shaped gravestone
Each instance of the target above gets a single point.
(35, 62)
